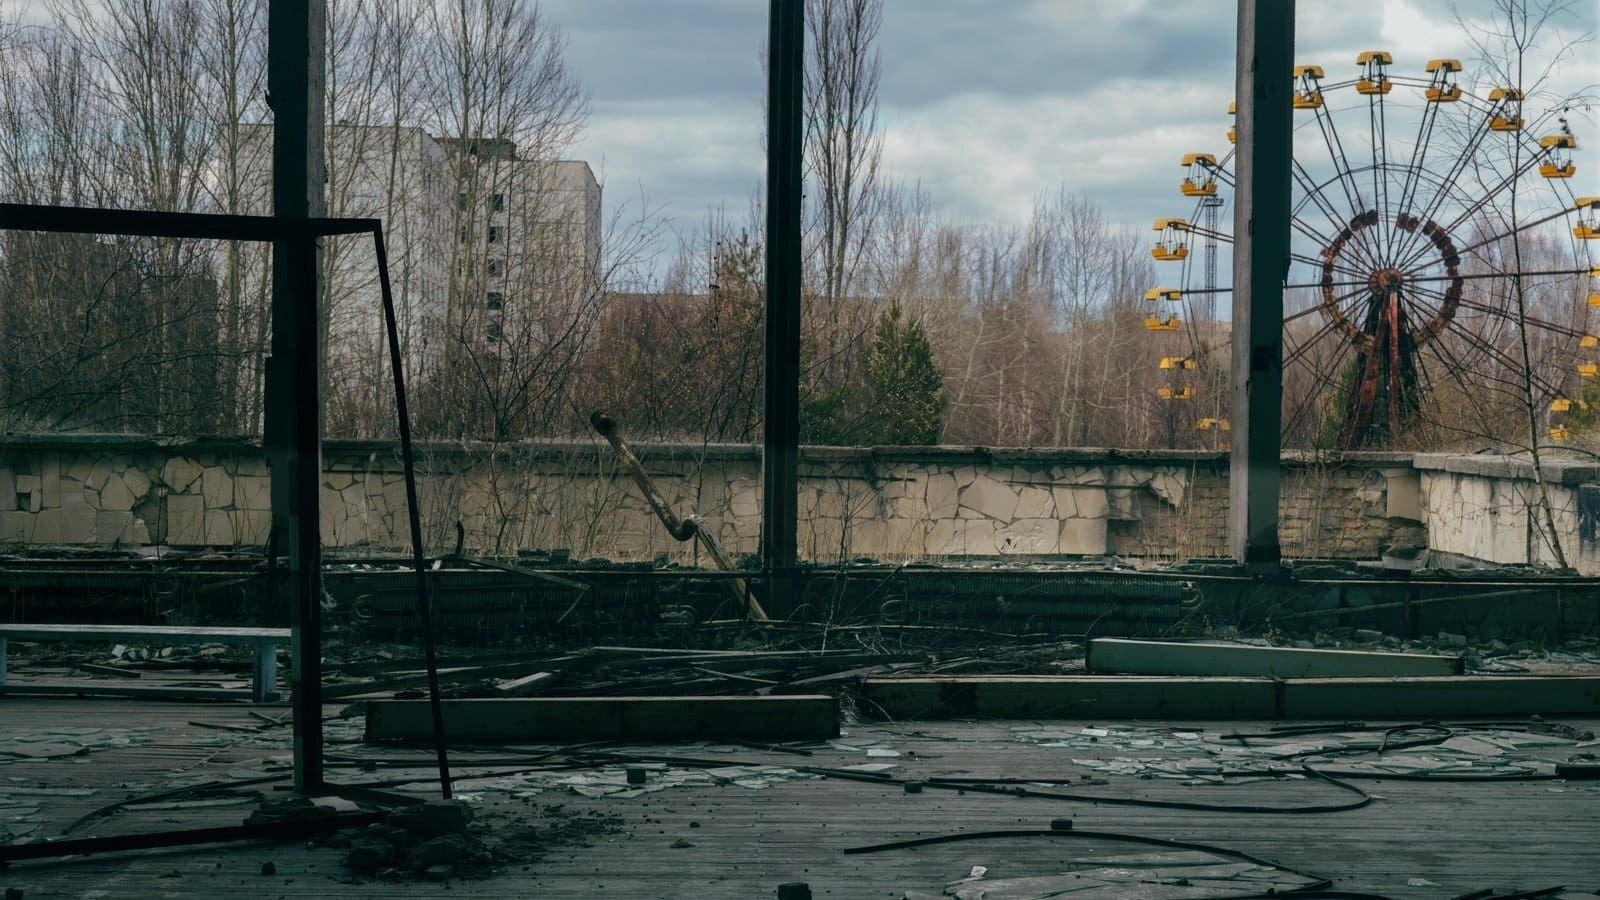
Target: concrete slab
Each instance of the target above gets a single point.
(1129, 657)
(789, 718)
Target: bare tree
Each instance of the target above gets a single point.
(843, 144)
(843, 147)
(1516, 47)
(233, 60)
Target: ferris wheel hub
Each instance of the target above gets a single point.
(1386, 281)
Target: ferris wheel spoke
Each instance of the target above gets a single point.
(1345, 174)
(1513, 368)
(1322, 377)
(1419, 155)
(1569, 210)
(1360, 246)
(1457, 369)
(1300, 348)
(1435, 279)
(1321, 304)
(1444, 186)
(1479, 204)
(1379, 124)
(1492, 310)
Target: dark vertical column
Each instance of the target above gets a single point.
(1260, 265)
(780, 458)
(295, 65)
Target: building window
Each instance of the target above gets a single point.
(494, 268)
(494, 331)
(461, 237)
(494, 300)
(498, 202)
(494, 234)
(461, 202)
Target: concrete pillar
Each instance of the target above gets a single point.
(295, 81)
(780, 456)
(1260, 265)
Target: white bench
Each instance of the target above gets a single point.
(266, 640)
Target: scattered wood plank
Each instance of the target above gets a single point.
(526, 685)
(97, 669)
(795, 718)
(405, 680)
(1129, 657)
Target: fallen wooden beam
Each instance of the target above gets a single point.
(97, 669)
(792, 718)
(1208, 697)
(100, 689)
(1069, 697)
(399, 682)
(1127, 657)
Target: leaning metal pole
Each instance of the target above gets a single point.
(780, 457)
(293, 438)
(1260, 267)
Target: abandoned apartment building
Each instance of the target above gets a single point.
(365, 532)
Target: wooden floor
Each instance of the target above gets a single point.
(1459, 837)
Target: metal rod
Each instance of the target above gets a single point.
(413, 513)
(780, 456)
(151, 223)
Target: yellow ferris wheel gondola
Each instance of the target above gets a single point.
(1374, 79)
(1209, 422)
(1177, 362)
(1200, 179)
(1308, 93)
(1173, 244)
(1167, 392)
(1170, 294)
(1505, 113)
(1588, 369)
(1233, 110)
(1588, 227)
(1559, 162)
(1441, 88)
(1589, 341)
(1158, 323)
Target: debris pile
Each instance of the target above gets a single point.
(437, 840)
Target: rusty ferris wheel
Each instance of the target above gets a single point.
(1401, 222)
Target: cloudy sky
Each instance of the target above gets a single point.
(987, 102)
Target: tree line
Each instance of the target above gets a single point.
(916, 330)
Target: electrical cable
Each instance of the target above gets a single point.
(952, 784)
(1317, 882)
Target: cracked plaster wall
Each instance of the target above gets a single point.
(884, 503)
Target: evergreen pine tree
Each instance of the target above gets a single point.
(904, 385)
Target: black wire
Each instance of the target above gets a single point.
(981, 787)
(1318, 882)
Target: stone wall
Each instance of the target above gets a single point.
(1490, 508)
(883, 503)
